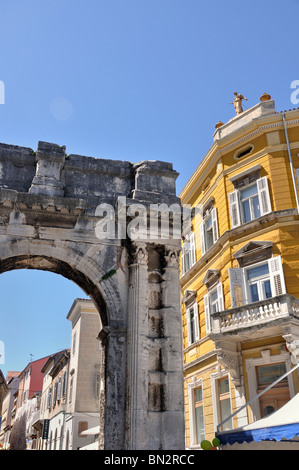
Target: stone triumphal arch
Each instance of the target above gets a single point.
(49, 211)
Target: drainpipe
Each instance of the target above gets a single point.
(290, 159)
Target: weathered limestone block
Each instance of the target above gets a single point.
(48, 220)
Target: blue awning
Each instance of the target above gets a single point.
(282, 424)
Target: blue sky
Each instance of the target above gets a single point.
(127, 80)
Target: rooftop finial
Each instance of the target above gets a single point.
(265, 97)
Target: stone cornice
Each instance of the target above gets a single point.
(222, 242)
(222, 146)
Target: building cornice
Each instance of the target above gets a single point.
(223, 242)
(222, 146)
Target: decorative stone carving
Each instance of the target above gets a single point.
(291, 337)
(230, 361)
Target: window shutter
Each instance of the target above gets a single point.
(207, 313)
(59, 389)
(196, 321)
(188, 326)
(183, 259)
(202, 238)
(214, 224)
(192, 249)
(276, 276)
(220, 296)
(233, 199)
(237, 287)
(264, 196)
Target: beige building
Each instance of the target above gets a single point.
(84, 374)
(70, 401)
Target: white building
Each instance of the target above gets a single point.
(70, 398)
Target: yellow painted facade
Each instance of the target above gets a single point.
(240, 270)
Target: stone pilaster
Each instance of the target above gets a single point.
(137, 349)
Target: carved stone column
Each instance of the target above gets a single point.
(112, 413)
(173, 418)
(137, 350)
(155, 408)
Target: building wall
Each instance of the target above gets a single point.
(212, 182)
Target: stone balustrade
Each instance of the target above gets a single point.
(255, 314)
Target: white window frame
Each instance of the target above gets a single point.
(267, 358)
(259, 281)
(208, 304)
(238, 279)
(193, 435)
(192, 323)
(236, 212)
(188, 256)
(210, 216)
(215, 377)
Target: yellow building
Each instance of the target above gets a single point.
(240, 270)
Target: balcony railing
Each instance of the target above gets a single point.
(256, 313)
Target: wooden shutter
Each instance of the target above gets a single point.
(234, 207)
(196, 321)
(264, 196)
(192, 249)
(207, 313)
(183, 259)
(202, 238)
(237, 287)
(59, 389)
(214, 224)
(220, 296)
(276, 276)
(188, 326)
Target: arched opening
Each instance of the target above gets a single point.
(36, 278)
(45, 263)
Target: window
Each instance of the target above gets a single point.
(259, 285)
(259, 281)
(188, 253)
(249, 202)
(221, 399)
(209, 230)
(74, 343)
(196, 411)
(71, 390)
(242, 152)
(224, 403)
(192, 324)
(213, 302)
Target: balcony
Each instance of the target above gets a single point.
(256, 317)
